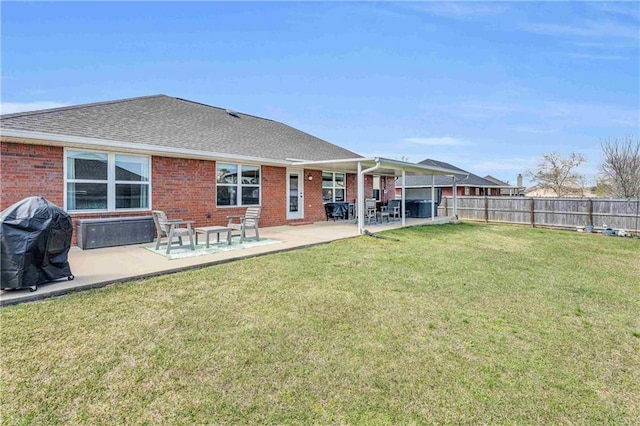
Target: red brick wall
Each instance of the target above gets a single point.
(29, 170)
(312, 196)
(387, 183)
(352, 187)
(186, 189)
(183, 188)
(274, 196)
(447, 191)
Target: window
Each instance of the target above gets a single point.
(106, 181)
(376, 187)
(237, 185)
(132, 182)
(333, 187)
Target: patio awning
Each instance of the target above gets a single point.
(386, 166)
(379, 166)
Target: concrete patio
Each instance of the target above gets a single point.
(101, 267)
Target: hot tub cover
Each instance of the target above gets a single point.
(35, 238)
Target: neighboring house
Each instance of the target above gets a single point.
(466, 183)
(194, 161)
(537, 191)
(505, 188)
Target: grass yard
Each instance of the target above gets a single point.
(453, 324)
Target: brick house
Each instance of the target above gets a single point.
(194, 161)
(466, 183)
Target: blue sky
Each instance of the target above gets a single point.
(487, 86)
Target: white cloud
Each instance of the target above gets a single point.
(607, 45)
(622, 8)
(541, 116)
(519, 165)
(586, 29)
(461, 10)
(444, 141)
(598, 57)
(11, 107)
(534, 130)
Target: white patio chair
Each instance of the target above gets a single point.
(370, 210)
(172, 229)
(249, 220)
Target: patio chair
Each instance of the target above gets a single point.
(393, 207)
(172, 229)
(336, 211)
(370, 210)
(249, 220)
(384, 213)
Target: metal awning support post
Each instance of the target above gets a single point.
(455, 198)
(433, 197)
(361, 206)
(403, 197)
(360, 200)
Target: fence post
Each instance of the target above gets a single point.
(590, 212)
(446, 209)
(533, 214)
(486, 209)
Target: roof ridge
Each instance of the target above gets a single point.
(263, 118)
(72, 107)
(495, 180)
(443, 164)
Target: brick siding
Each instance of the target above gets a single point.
(312, 196)
(183, 188)
(30, 170)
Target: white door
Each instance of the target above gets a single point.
(295, 192)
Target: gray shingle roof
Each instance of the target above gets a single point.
(496, 181)
(464, 178)
(177, 123)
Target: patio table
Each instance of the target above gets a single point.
(208, 230)
(382, 214)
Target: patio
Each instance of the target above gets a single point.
(101, 267)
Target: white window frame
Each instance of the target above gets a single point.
(334, 186)
(111, 181)
(239, 185)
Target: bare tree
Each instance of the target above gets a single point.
(558, 173)
(621, 167)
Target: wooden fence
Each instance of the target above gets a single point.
(556, 212)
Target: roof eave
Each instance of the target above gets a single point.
(387, 166)
(107, 144)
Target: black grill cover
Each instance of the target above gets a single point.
(35, 237)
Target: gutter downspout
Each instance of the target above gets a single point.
(359, 200)
(402, 212)
(455, 198)
(433, 197)
(361, 206)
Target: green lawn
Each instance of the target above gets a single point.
(452, 324)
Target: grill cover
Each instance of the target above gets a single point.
(35, 238)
